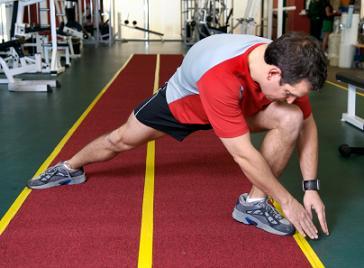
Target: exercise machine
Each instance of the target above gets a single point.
(12, 55)
(259, 14)
(97, 23)
(70, 32)
(20, 30)
(14, 62)
(355, 81)
(204, 18)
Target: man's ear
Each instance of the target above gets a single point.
(274, 73)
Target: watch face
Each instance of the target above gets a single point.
(311, 185)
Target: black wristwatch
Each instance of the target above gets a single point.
(311, 185)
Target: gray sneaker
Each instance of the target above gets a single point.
(56, 176)
(263, 215)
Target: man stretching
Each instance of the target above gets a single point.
(236, 85)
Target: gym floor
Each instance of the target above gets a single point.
(32, 124)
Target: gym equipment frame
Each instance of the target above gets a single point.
(355, 82)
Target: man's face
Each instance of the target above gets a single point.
(274, 91)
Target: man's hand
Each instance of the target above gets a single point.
(312, 201)
(300, 218)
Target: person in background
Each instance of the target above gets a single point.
(327, 24)
(316, 11)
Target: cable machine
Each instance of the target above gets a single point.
(97, 22)
(202, 18)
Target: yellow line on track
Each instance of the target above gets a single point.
(9, 215)
(145, 259)
(308, 251)
(14, 208)
(304, 245)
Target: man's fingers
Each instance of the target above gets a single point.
(305, 227)
(309, 228)
(299, 229)
(322, 219)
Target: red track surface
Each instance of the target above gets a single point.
(97, 224)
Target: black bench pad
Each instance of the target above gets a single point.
(355, 78)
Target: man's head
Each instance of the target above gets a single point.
(298, 62)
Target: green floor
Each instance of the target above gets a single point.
(32, 124)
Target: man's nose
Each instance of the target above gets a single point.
(290, 99)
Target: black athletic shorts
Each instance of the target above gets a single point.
(154, 112)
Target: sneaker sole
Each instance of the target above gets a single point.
(74, 180)
(247, 219)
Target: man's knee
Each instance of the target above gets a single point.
(116, 141)
(291, 119)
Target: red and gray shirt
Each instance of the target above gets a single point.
(213, 85)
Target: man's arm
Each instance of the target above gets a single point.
(308, 149)
(308, 157)
(259, 173)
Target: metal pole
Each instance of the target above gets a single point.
(20, 14)
(270, 18)
(84, 12)
(53, 36)
(261, 18)
(119, 25)
(280, 18)
(111, 20)
(2, 23)
(28, 11)
(92, 11)
(79, 11)
(37, 9)
(146, 18)
(97, 22)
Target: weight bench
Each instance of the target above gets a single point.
(355, 81)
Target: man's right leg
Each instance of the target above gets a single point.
(130, 135)
(283, 123)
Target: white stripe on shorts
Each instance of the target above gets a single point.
(145, 104)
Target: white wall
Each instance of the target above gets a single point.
(165, 17)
